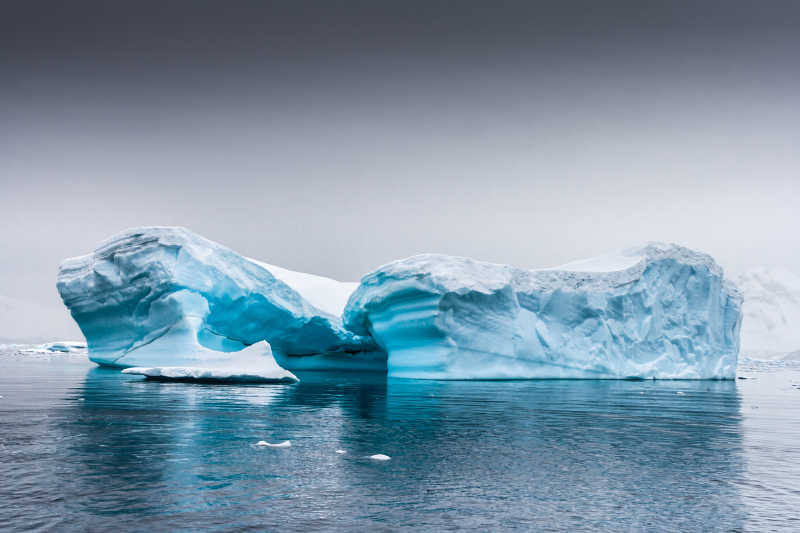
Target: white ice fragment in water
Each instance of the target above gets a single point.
(284, 444)
(379, 457)
(340, 451)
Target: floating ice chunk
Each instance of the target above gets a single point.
(379, 457)
(655, 311)
(231, 375)
(284, 444)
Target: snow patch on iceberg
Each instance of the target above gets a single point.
(323, 293)
(655, 311)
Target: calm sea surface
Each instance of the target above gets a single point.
(87, 449)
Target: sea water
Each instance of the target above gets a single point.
(88, 449)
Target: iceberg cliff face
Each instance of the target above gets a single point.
(657, 311)
(160, 296)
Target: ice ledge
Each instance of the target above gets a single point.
(212, 374)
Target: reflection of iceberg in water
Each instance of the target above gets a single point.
(601, 449)
(168, 438)
(591, 453)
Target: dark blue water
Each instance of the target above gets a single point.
(86, 449)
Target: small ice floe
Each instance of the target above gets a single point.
(224, 374)
(340, 451)
(680, 393)
(265, 444)
(379, 457)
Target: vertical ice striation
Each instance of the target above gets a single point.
(656, 311)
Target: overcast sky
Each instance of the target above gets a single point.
(332, 137)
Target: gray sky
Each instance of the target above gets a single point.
(334, 138)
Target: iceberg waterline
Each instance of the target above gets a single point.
(161, 297)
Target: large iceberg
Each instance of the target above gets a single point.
(163, 296)
(770, 313)
(656, 311)
(172, 304)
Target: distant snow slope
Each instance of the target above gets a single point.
(771, 313)
(26, 321)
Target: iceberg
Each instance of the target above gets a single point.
(654, 311)
(157, 297)
(770, 313)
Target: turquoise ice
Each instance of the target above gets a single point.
(656, 311)
(164, 296)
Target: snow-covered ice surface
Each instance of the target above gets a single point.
(655, 311)
(163, 296)
(253, 364)
(324, 293)
(770, 313)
